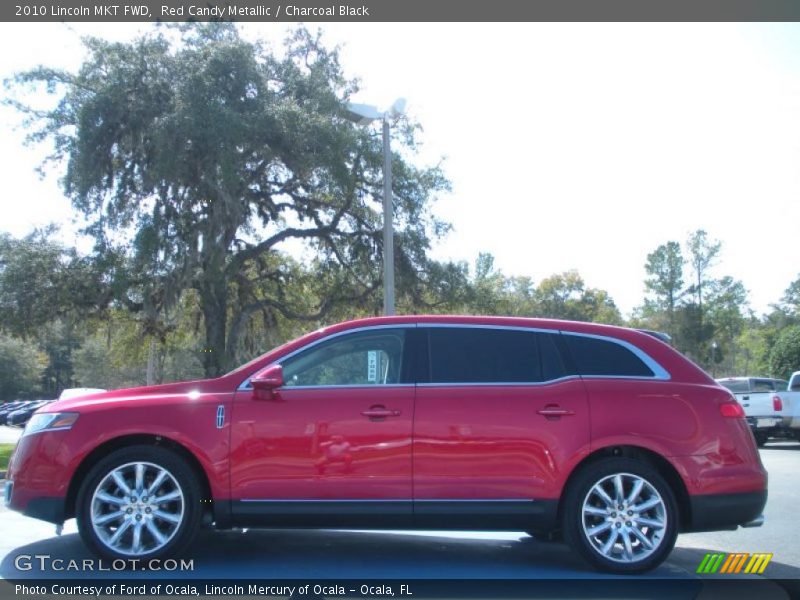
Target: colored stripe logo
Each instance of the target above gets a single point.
(736, 562)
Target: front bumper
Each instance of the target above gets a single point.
(716, 512)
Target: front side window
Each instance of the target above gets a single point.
(482, 355)
(362, 358)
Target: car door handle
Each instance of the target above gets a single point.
(380, 412)
(555, 411)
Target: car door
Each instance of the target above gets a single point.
(335, 435)
(497, 422)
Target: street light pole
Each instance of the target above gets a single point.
(364, 114)
(388, 220)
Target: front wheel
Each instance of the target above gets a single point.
(621, 516)
(139, 502)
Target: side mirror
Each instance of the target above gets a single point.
(266, 381)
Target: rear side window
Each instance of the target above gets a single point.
(737, 386)
(476, 355)
(595, 356)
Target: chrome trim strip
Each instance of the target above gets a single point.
(271, 500)
(381, 386)
(245, 385)
(659, 372)
(500, 383)
(474, 500)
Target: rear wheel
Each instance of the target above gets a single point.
(139, 502)
(761, 439)
(620, 515)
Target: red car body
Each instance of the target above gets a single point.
(414, 454)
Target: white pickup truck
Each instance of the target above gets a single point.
(772, 406)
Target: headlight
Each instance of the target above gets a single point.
(50, 422)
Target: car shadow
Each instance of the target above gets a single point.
(322, 554)
(791, 446)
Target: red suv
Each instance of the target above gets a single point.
(602, 434)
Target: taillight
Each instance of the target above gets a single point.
(731, 409)
(777, 403)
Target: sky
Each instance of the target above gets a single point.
(569, 146)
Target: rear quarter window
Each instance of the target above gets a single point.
(605, 358)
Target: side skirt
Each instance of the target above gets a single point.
(498, 515)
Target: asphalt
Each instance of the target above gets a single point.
(9, 435)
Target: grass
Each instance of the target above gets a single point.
(5, 454)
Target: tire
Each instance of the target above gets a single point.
(150, 529)
(590, 521)
(761, 439)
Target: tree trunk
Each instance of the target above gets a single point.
(151, 362)
(214, 304)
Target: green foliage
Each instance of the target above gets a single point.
(41, 279)
(705, 318)
(664, 268)
(5, 455)
(565, 296)
(784, 358)
(198, 159)
(21, 367)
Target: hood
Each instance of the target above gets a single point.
(174, 391)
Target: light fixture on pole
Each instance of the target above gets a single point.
(364, 114)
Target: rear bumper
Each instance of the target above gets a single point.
(764, 423)
(714, 512)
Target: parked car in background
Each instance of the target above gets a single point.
(791, 406)
(76, 392)
(20, 417)
(604, 434)
(9, 407)
(770, 407)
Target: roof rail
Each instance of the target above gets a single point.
(664, 337)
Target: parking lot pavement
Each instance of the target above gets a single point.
(306, 554)
(9, 435)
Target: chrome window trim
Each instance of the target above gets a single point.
(479, 326)
(500, 383)
(659, 372)
(245, 385)
(356, 386)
